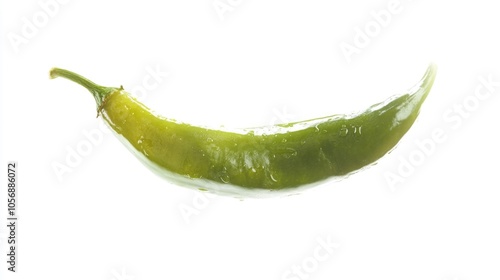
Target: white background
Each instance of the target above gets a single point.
(258, 63)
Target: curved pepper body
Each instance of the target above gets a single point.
(283, 157)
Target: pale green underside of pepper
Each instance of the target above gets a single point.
(267, 160)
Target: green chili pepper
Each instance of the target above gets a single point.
(263, 160)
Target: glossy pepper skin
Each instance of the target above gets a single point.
(263, 160)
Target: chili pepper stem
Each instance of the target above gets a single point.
(99, 92)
